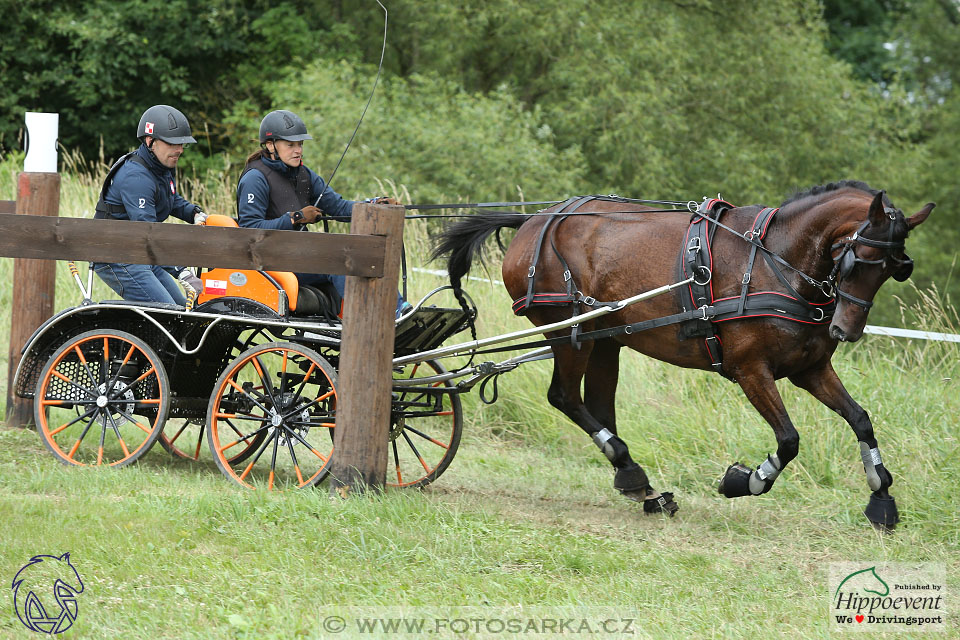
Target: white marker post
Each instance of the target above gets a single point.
(38, 194)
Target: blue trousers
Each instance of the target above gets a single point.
(339, 283)
(141, 282)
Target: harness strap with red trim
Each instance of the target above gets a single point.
(701, 311)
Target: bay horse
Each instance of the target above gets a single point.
(829, 247)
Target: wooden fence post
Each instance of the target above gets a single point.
(34, 283)
(366, 373)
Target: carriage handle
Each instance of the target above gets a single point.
(516, 335)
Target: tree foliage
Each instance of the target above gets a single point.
(656, 98)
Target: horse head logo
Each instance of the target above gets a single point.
(31, 594)
(866, 580)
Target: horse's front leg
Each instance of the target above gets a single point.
(824, 385)
(759, 386)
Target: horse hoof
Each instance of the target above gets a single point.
(653, 501)
(736, 481)
(882, 512)
(662, 503)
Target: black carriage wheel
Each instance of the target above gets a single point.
(283, 396)
(101, 399)
(425, 426)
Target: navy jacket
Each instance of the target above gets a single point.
(149, 194)
(253, 194)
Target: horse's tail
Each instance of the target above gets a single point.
(465, 239)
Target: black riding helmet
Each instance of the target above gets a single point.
(283, 125)
(165, 123)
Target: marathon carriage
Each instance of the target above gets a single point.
(251, 368)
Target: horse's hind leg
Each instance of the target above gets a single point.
(599, 395)
(824, 385)
(760, 388)
(600, 363)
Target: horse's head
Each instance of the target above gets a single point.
(873, 253)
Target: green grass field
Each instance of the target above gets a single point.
(525, 520)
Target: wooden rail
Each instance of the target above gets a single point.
(44, 238)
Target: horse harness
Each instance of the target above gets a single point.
(701, 310)
(847, 259)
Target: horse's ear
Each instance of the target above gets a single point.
(920, 216)
(65, 557)
(876, 214)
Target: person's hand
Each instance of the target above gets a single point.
(188, 279)
(199, 217)
(310, 214)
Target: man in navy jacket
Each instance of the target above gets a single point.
(141, 186)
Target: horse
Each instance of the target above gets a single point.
(829, 247)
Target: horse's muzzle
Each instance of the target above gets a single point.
(838, 333)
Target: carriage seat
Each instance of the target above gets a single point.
(264, 286)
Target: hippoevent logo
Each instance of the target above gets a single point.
(890, 596)
(45, 594)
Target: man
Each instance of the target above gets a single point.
(277, 191)
(141, 187)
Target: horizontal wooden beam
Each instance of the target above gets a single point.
(45, 238)
(8, 206)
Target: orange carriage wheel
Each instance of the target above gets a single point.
(101, 399)
(425, 425)
(282, 396)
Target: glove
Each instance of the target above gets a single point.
(199, 217)
(383, 200)
(190, 281)
(307, 215)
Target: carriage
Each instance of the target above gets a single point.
(247, 369)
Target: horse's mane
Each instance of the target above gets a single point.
(820, 189)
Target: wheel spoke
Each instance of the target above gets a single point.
(425, 436)
(116, 430)
(263, 447)
(396, 462)
(246, 437)
(83, 434)
(264, 379)
(415, 452)
(89, 411)
(249, 396)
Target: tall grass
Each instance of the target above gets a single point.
(526, 515)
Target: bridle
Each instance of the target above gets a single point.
(847, 259)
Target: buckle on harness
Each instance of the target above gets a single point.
(700, 269)
(703, 310)
(588, 300)
(822, 317)
(746, 278)
(531, 271)
(567, 275)
(694, 244)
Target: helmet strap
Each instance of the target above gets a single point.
(272, 155)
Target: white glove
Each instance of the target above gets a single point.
(190, 281)
(199, 217)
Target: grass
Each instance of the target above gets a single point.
(525, 519)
